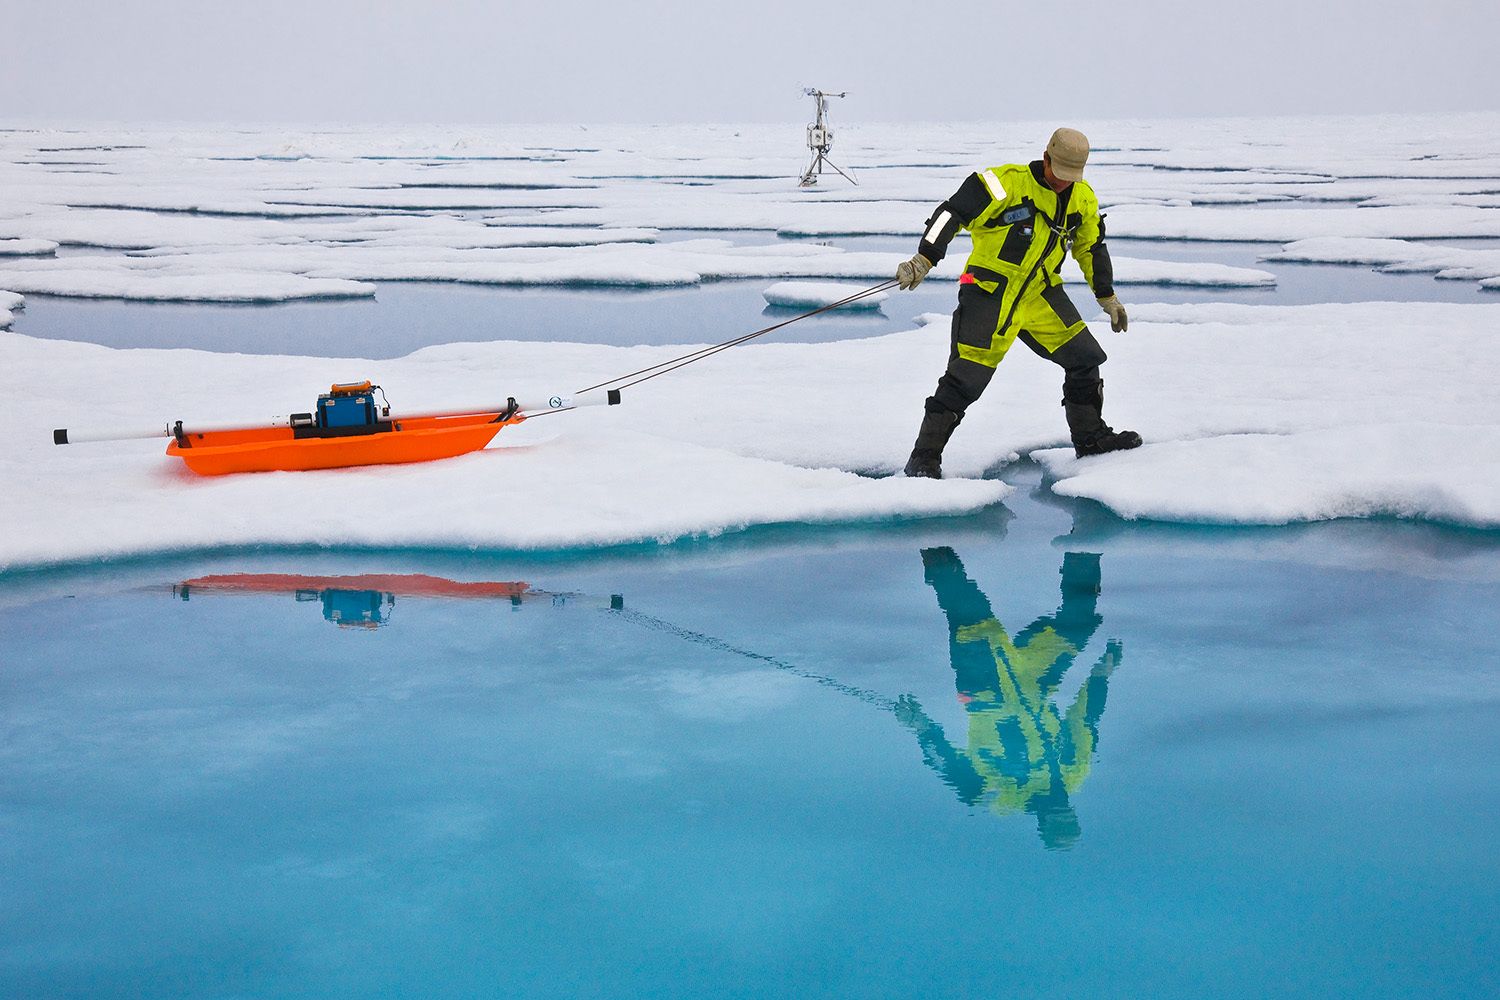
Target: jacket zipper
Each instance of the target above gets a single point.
(1052, 236)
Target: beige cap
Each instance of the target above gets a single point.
(1069, 151)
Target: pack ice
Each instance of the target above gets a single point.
(1252, 414)
(231, 215)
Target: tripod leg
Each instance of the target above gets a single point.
(845, 176)
(809, 176)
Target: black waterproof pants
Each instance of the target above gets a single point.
(965, 380)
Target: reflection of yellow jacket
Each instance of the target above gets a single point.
(1018, 723)
(1023, 754)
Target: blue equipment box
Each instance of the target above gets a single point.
(346, 410)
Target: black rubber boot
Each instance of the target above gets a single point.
(926, 461)
(1091, 435)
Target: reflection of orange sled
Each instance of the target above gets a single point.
(264, 449)
(400, 584)
(362, 601)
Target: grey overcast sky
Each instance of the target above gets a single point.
(595, 61)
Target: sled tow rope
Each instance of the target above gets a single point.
(637, 377)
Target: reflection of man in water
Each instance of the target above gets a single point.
(1023, 754)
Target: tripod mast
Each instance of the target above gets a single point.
(820, 140)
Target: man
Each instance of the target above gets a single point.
(1024, 218)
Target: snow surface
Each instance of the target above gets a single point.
(812, 294)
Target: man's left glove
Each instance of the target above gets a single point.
(1118, 321)
(909, 274)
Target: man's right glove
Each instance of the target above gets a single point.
(909, 274)
(1118, 321)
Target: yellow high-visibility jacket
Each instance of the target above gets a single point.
(1022, 231)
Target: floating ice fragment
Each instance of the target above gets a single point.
(113, 279)
(813, 294)
(1461, 263)
(27, 248)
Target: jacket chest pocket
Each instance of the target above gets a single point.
(1021, 221)
(1017, 242)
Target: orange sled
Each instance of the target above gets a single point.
(267, 449)
(347, 429)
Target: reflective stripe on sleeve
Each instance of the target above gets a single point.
(935, 231)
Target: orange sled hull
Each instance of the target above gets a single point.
(270, 449)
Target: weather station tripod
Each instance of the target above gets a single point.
(820, 140)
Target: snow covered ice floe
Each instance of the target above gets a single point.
(278, 272)
(1282, 225)
(161, 281)
(590, 478)
(1428, 471)
(813, 294)
(1252, 414)
(1272, 415)
(1453, 263)
(27, 248)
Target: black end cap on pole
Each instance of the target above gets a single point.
(60, 436)
(613, 395)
